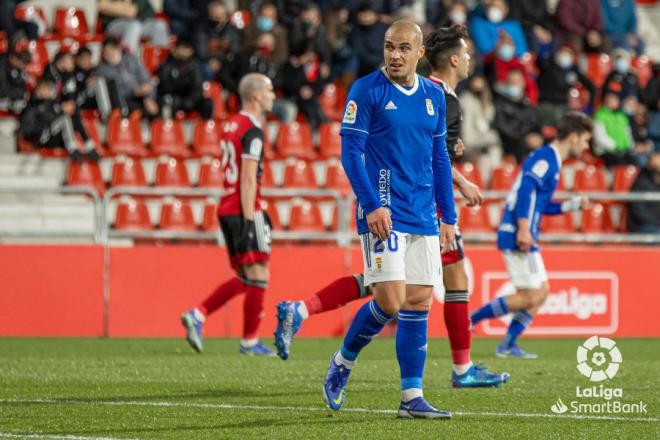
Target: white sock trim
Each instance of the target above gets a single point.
(249, 343)
(340, 360)
(410, 394)
(302, 310)
(462, 368)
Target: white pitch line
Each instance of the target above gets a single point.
(55, 437)
(317, 409)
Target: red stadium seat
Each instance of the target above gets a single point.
(503, 177)
(335, 178)
(268, 205)
(86, 174)
(172, 172)
(590, 178)
(351, 216)
(330, 140)
(213, 90)
(167, 138)
(598, 67)
(206, 138)
(176, 215)
(295, 140)
(470, 172)
(210, 218)
(643, 66)
(267, 179)
(211, 174)
(624, 177)
(305, 217)
(558, 223)
(474, 219)
(596, 219)
(127, 171)
(132, 215)
(153, 56)
(332, 101)
(71, 23)
(125, 137)
(31, 13)
(299, 174)
(93, 131)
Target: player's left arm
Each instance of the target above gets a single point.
(443, 181)
(252, 144)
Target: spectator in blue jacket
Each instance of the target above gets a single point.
(485, 28)
(620, 23)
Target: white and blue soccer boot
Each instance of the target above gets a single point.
(257, 349)
(513, 351)
(288, 324)
(193, 321)
(334, 385)
(418, 408)
(478, 377)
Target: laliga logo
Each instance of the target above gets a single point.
(598, 359)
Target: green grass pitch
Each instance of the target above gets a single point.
(158, 388)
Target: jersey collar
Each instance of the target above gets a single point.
(398, 86)
(442, 84)
(254, 120)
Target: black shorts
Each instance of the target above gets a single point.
(243, 250)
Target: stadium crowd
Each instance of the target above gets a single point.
(529, 67)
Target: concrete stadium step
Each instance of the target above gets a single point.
(33, 165)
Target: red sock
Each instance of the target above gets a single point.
(334, 295)
(457, 321)
(253, 310)
(223, 293)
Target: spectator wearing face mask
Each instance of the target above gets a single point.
(558, 74)
(309, 28)
(535, 20)
(367, 38)
(502, 60)
(623, 74)
(302, 83)
(620, 22)
(613, 140)
(457, 13)
(516, 121)
(477, 127)
(266, 21)
(13, 80)
(215, 36)
(180, 83)
(486, 29)
(580, 24)
(645, 216)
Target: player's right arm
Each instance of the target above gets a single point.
(534, 170)
(354, 132)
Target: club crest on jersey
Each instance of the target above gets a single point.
(429, 107)
(351, 112)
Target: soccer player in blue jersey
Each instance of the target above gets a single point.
(518, 234)
(393, 150)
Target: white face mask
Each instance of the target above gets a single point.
(622, 65)
(564, 60)
(506, 52)
(515, 92)
(495, 14)
(457, 17)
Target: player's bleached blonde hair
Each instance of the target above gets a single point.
(250, 84)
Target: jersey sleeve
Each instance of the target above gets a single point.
(453, 121)
(357, 114)
(442, 179)
(535, 170)
(252, 143)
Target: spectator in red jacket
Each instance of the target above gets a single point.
(502, 60)
(580, 22)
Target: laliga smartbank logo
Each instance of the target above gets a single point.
(599, 360)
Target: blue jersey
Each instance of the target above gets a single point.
(531, 196)
(394, 154)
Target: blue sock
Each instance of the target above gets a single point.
(495, 308)
(411, 347)
(367, 323)
(521, 320)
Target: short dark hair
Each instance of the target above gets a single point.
(574, 122)
(61, 55)
(184, 42)
(443, 43)
(111, 41)
(83, 50)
